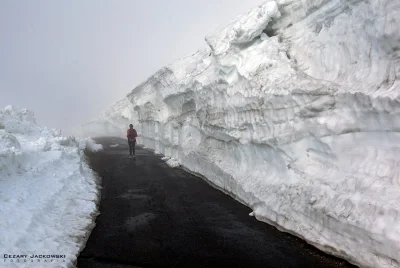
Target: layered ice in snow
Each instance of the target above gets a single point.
(48, 193)
(294, 110)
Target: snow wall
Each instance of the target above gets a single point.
(48, 194)
(294, 110)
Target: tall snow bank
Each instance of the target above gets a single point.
(48, 194)
(294, 110)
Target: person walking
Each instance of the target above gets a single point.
(131, 134)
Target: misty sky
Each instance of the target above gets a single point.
(70, 60)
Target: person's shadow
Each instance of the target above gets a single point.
(133, 160)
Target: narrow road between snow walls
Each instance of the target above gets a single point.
(152, 215)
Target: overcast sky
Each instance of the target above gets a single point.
(70, 60)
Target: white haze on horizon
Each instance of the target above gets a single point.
(69, 60)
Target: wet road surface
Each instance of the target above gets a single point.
(156, 216)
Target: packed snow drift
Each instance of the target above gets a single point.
(48, 193)
(294, 110)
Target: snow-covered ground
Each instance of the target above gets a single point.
(293, 109)
(48, 193)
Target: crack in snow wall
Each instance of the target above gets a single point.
(302, 126)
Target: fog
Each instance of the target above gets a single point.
(69, 60)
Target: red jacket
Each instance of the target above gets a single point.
(131, 136)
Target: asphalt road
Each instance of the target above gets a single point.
(156, 216)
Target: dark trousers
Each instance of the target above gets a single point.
(132, 147)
